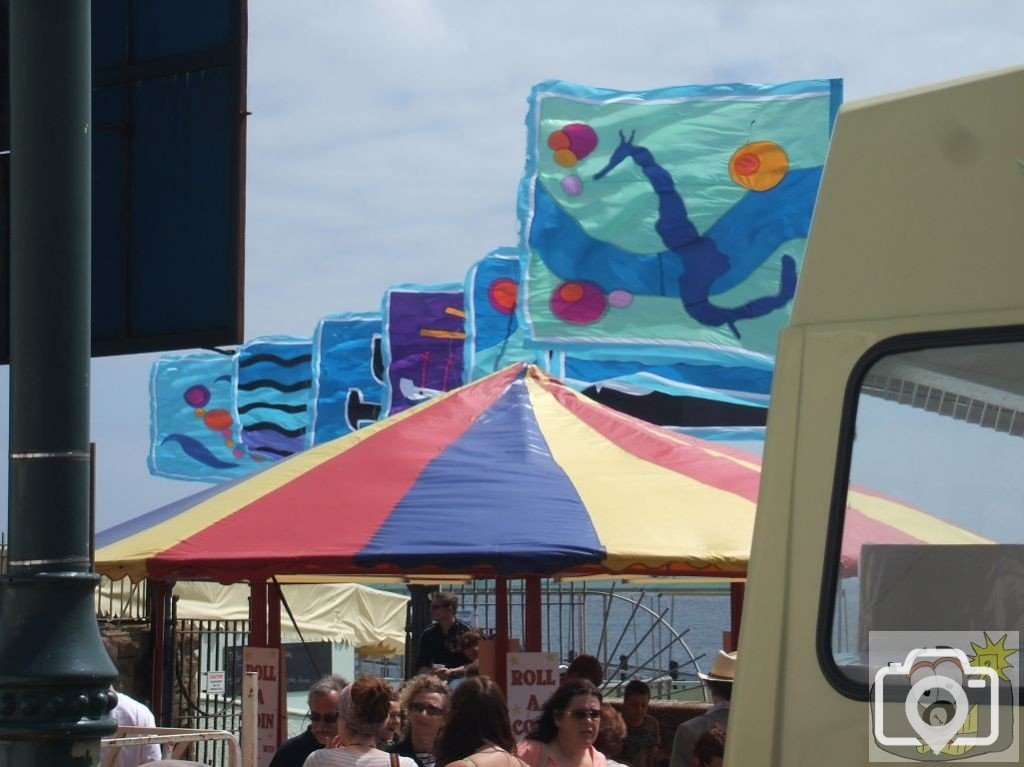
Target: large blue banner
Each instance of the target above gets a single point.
(670, 221)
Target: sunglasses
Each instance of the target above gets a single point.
(330, 718)
(426, 708)
(584, 713)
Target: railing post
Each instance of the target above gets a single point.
(250, 712)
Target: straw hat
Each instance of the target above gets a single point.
(723, 669)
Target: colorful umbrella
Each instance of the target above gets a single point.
(512, 475)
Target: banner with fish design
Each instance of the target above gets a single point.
(273, 377)
(494, 337)
(348, 374)
(669, 221)
(193, 419)
(424, 334)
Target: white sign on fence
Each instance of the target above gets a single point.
(215, 682)
(532, 677)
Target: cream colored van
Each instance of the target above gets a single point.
(901, 378)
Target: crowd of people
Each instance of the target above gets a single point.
(449, 715)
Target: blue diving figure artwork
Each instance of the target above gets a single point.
(669, 222)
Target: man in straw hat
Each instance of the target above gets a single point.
(719, 683)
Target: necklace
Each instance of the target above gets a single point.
(365, 745)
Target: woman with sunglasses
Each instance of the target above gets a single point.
(477, 732)
(362, 710)
(568, 726)
(425, 702)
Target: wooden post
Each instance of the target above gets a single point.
(274, 640)
(157, 591)
(501, 632)
(736, 590)
(258, 614)
(531, 615)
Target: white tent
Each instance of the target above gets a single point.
(370, 620)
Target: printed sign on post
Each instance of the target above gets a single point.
(532, 677)
(266, 663)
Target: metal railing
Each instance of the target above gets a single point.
(174, 742)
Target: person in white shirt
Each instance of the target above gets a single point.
(128, 713)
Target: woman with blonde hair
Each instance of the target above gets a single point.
(425, 702)
(362, 710)
(477, 732)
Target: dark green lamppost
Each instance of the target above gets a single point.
(54, 673)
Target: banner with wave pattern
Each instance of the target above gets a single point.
(273, 378)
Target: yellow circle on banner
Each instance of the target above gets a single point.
(566, 158)
(760, 165)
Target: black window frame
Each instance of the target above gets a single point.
(899, 344)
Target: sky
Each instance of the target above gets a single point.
(387, 140)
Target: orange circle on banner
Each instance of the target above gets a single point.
(571, 292)
(217, 420)
(503, 293)
(758, 166)
(558, 140)
(566, 158)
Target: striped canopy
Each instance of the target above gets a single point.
(512, 475)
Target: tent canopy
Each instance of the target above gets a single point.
(509, 476)
(370, 620)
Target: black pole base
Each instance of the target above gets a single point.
(55, 676)
(52, 754)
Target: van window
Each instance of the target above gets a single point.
(932, 534)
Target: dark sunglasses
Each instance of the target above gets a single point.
(584, 713)
(330, 718)
(426, 708)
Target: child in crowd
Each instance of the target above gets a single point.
(640, 748)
